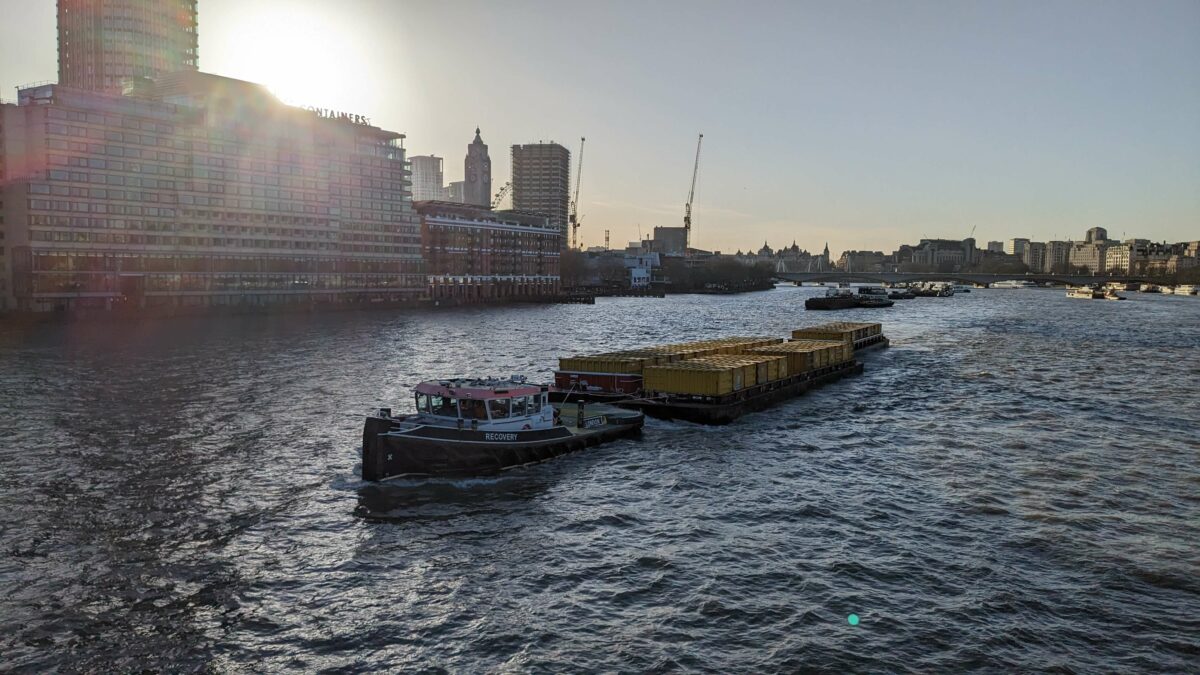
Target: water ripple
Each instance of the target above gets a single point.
(1012, 486)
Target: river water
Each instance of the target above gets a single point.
(1013, 485)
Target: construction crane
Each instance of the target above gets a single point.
(502, 194)
(573, 218)
(687, 209)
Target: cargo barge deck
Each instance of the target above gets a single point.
(725, 409)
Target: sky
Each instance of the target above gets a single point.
(862, 124)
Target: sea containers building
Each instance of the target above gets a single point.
(201, 191)
(474, 254)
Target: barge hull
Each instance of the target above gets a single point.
(726, 412)
(873, 342)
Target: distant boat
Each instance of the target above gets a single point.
(873, 296)
(1014, 283)
(1185, 289)
(1090, 293)
(1085, 293)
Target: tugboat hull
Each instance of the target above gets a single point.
(390, 450)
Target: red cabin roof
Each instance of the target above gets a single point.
(477, 389)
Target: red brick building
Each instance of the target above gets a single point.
(473, 254)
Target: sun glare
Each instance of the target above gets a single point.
(302, 56)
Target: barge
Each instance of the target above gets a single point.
(716, 381)
(479, 427)
(717, 410)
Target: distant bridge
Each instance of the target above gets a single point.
(958, 277)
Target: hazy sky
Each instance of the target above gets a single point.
(864, 124)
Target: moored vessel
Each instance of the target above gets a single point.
(466, 427)
(1094, 293)
(1014, 283)
(834, 298)
(1185, 289)
(873, 296)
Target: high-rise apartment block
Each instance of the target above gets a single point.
(104, 44)
(427, 178)
(541, 180)
(477, 174)
(212, 194)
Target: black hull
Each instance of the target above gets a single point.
(450, 452)
(830, 303)
(759, 398)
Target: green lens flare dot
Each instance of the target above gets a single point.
(852, 619)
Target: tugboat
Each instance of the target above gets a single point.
(476, 427)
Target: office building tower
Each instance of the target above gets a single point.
(477, 174)
(1058, 254)
(104, 45)
(541, 179)
(1034, 256)
(1016, 247)
(427, 178)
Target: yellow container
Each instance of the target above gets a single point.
(805, 355)
(700, 380)
(838, 350)
(848, 331)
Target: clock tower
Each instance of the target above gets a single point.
(477, 177)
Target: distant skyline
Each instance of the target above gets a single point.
(864, 125)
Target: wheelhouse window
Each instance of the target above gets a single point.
(499, 408)
(474, 410)
(443, 405)
(422, 403)
(519, 406)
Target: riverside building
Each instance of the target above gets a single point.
(474, 254)
(204, 191)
